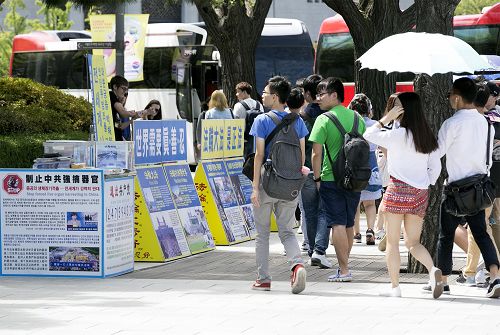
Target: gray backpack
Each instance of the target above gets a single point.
(282, 177)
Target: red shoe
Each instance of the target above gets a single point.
(298, 279)
(260, 286)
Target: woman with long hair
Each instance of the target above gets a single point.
(414, 164)
(218, 107)
(153, 109)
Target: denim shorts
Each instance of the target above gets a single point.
(338, 205)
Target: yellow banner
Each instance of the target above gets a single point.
(222, 138)
(212, 139)
(234, 130)
(102, 29)
(136, 26)
(101, 105)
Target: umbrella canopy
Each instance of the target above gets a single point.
(423, 53)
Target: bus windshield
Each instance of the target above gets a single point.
(335, 56)
(484, 39)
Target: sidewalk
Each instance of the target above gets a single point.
(210, 293)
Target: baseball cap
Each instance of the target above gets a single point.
(494, 89)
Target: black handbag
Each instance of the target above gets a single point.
(249, 160)
(468, 196)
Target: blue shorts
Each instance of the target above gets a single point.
(338, 205)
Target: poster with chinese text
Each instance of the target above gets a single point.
(188, 206)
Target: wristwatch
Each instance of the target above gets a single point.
(317, 179)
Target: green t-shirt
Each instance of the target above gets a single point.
(325, 132)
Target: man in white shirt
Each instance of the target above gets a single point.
(462, 138)
(247, 109)
(243, 91)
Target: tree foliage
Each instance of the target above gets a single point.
(473, 6)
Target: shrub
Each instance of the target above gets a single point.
(31, 108)
(19, 150)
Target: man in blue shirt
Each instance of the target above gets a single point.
(274, 97)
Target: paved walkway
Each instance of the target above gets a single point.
(209, 294)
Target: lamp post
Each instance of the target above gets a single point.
(120, 44)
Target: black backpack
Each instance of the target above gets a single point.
(351, 169)
(252, 113)
(282, 177)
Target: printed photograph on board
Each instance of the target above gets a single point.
(81, 221)
(74, 259)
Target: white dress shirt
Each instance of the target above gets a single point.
(403, 161)
(462, 138)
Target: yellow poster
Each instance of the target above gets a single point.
(136, 26)
(146, 247)
(212, 139)
(101, 105)
(234, 131)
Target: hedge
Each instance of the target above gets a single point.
(31, 113)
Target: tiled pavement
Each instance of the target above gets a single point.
(209, 294)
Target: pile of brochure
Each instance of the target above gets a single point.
(57, 162)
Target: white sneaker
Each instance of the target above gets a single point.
(321, 261)
(394, 292)
(480, 278)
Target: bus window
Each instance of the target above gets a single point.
(335, 56)
(483, 39)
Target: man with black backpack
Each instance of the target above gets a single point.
(343, 171)
(277, 184)
(248, 109)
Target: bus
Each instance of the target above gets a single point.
(180, 69)
(335, 50)
(284, 48)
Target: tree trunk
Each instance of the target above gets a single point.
(369, 22)
(435, 17)
(235, 28)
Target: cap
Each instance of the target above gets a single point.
(494, 89)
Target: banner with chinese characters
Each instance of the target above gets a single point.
(194, 222)
(53, 224)
(162, 216)
(159, 141)
(119, 225)
(101, 104)
(243, 189)
(136, 26)
(222, 138)
(219, 203)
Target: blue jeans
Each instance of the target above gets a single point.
(317, 230)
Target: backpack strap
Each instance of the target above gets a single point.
(257, 105)
(231, 111)
(280, 123)
(244, 104)
(341, 129)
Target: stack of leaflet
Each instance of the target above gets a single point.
(52, 161)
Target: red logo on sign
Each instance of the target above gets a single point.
(12, 184)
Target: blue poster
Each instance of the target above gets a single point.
(243, 189)
(166, 222)
(159, 141)
(155, 189)
(193, 219)
(225, 199)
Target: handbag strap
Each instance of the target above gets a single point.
(488, 146)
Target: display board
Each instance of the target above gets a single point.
(220, 203)
(159, 141)
(222, 138)
(242, 187)
(65, 223)
(161, 215)
(189, 208)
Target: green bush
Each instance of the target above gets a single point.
(20, 150)
(31, 113)
(29, 107)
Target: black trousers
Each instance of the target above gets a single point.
(477, 225)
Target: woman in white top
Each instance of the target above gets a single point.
(414, 164)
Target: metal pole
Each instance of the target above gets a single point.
(120, 33)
